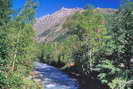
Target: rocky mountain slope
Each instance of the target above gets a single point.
(49, 27)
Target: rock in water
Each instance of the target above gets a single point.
(54, 78)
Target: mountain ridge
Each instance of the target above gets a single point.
(49, 27)
(53, 22)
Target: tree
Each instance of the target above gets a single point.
(116, 72)
(89, 27)
(27, 13)
(89, 7)
(122, 33)
(5, 11)
(18, 48)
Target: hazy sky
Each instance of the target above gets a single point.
(50, 6)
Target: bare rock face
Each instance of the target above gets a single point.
(50, 26)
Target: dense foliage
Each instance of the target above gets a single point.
(117, 71)
(17, 47)
(97, 42)
(86, 37)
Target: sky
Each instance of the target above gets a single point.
(50, 6)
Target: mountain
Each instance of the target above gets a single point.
(50, 27)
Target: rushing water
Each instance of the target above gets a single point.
(53, 78)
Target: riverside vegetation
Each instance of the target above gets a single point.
(17, 47)
(98, 43)
(95, 42)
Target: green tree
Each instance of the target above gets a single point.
(18, 48)
(122, 33)
(116, 71)
(5, 11)
(89, 27)
(89, 7)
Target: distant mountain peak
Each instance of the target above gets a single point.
(46, 24)
(49, 27)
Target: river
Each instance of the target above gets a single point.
(53, 78)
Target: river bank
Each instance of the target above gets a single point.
(84, 81)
